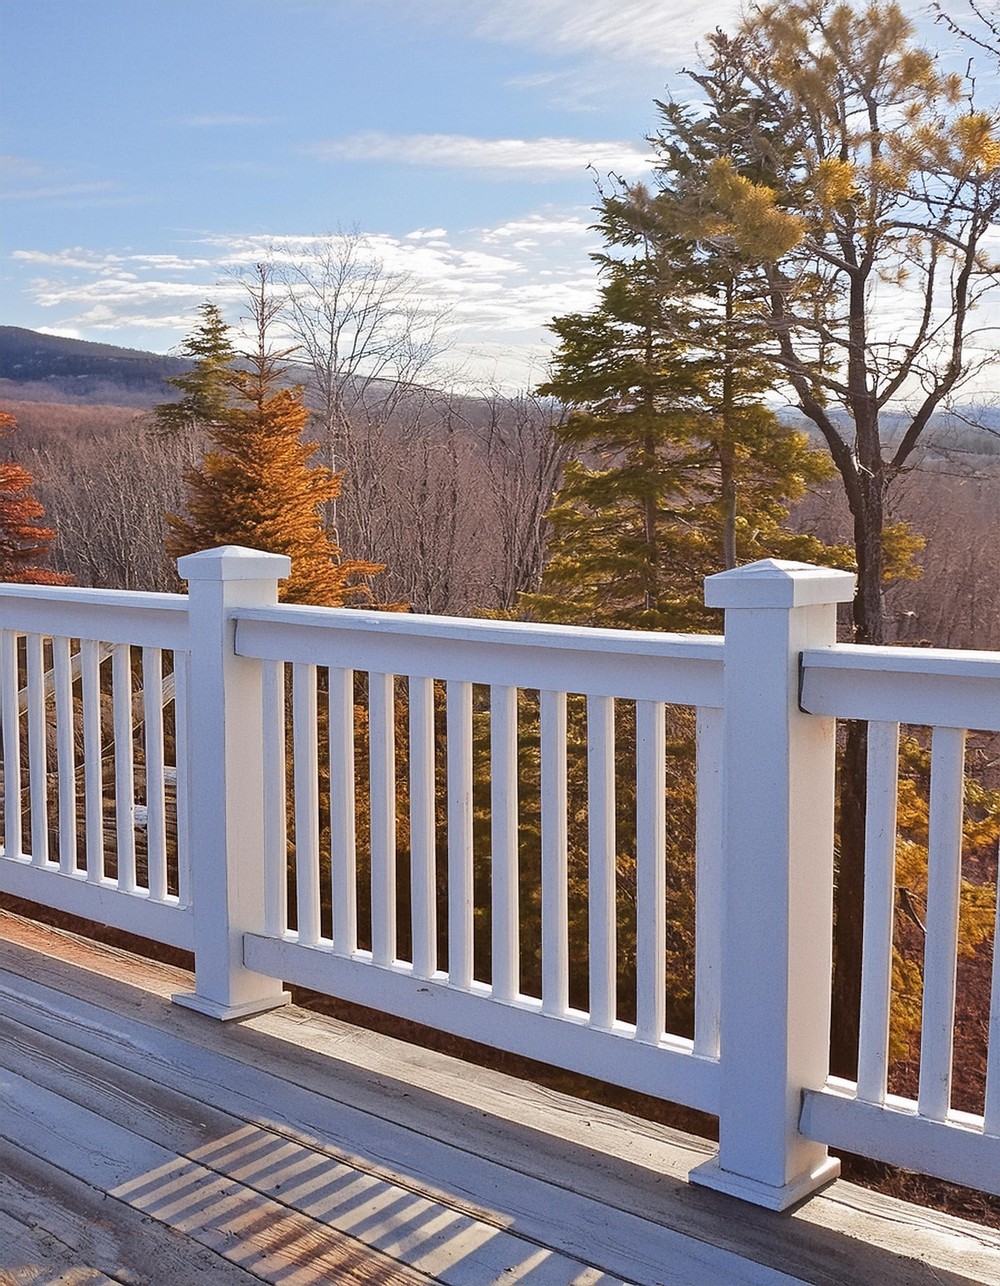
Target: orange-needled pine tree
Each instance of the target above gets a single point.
(24, 544)
(256, 484)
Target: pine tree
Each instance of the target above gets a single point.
(206, 388)
(678, 469)
(256, 486)
(24, 544)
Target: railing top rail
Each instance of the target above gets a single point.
(908, 660)
(111, 598)
(624, 663)
(470, 629)
(110, 615)
(937, 687)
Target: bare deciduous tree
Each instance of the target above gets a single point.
(367, 335)
(107, 496)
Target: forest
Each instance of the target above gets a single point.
(732, 395)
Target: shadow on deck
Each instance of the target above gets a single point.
(143, 1143)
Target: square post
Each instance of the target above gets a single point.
(225, 772)
(778, 771)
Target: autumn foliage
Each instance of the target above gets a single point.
(24, 545)
(256, 485)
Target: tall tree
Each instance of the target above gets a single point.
(256, 485)
(677, 468)
(205, 389)
(24, 545)
(878, 181)
(888, 183)
(367, 336)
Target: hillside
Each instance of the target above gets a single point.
(50, 368)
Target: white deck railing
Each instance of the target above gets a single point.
(274, 845)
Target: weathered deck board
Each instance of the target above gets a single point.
(354, 1143)
(81, 1238)
(235, 1167)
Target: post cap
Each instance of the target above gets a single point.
(234, 562)
(773, 582)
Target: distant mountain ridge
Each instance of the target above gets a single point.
(50, 368)
(37, 367)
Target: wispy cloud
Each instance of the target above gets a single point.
(528, 158)
(212, 120)
(58, 192)
(25, 179)
(84, 260)
(647, 32)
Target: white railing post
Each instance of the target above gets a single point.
(778, 800)
(225, 771)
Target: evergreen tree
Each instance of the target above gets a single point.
(207, 387)
(256, 486)
(24, 544)
(678, 470)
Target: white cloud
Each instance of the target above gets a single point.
(500, 285)
(527, 158)
(61, 332)
(108, 262)
(539, 225)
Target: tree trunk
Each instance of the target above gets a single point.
(727, 502)
(849, 904)
(869, 627)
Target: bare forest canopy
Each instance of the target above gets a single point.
(451, 494)
(51, 368)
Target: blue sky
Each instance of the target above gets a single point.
(152, 147)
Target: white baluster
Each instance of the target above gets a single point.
(944, 883)
(156, 809)
(503, 770)
(382, 762)
(423, 882)
(275, 799)
(38, 794)
(602, 926)
(121, 688)
(708, 914)
(555, 919)
(93, 752)
(13, 835)
(305, 792)
(880, 888)
(343, 857)
(460, 891)
(650, 843)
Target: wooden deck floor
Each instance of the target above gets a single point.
(145, 1144)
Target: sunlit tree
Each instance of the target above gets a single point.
(25, 545)
(257, 485)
